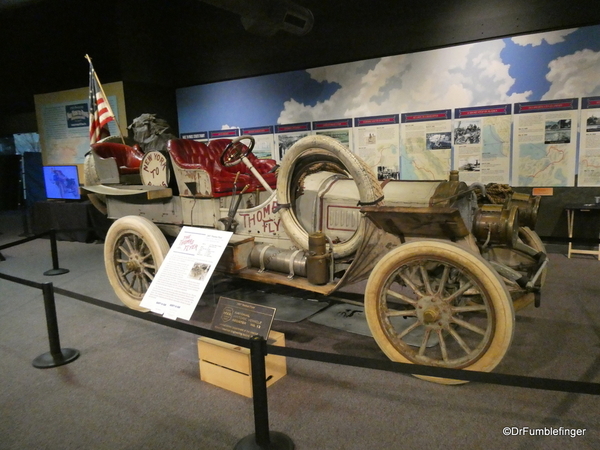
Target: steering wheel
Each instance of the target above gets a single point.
(235, 152)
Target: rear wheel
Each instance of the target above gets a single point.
(435, 303)
(134, 249)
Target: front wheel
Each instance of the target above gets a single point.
(435, 303)
(134, 249)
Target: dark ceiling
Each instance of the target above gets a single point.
(177, 43)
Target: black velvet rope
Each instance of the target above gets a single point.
(549, 384)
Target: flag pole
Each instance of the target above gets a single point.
(107, 102)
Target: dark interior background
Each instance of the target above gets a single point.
(156, 46)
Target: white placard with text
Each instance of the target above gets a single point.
(185, 272)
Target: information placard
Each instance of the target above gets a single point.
(287, 135)
(426, 145)
(264, 141)
(185, 272)
(377, 139)
(242, 319)
(545, 143)
(589, 150)
(482, 143)
(340, 129)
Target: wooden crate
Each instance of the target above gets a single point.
(228, 366)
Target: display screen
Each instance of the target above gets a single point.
(62, 182)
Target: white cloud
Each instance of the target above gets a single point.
(574, 75)
(553, 37)
(466, 75)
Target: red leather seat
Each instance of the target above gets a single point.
(193, 155)
(128, 158)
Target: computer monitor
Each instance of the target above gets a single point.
(61, 182)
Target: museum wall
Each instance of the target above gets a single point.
(154, 47)
(526, 74)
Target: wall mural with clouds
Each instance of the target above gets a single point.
(542, 67)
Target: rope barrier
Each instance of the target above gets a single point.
(578, 387)
(263, 438)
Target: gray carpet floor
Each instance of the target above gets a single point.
(136, 384)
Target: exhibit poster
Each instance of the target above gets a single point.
(589, 146)
(340, 130)
(67, 133)
(264, 141)
(63, 122)
(377, 142)
(287, 135)
(545, 143)
(185, 272)
(425, 145)
(482, 143)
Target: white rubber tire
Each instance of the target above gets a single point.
(496, 308)
(134, 249)
(368, 187)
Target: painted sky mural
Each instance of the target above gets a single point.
(495, 78)
(544, 66)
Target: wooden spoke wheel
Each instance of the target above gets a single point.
(435, 303)
(134, 249)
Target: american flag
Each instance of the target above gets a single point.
(100, 112)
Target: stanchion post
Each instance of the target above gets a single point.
(55, 269)
(262, 438)
(56, 356)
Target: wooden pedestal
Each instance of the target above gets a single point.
(228, 366)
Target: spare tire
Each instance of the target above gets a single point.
(311, 148)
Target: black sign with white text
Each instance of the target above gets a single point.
(242, 319)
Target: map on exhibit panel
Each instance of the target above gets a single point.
(545, 143)
(426, 145)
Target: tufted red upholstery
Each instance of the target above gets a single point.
(128, 158)
(189, 154)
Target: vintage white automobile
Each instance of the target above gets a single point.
(444, 274)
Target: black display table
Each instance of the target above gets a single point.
(81, 217)
(582, 208)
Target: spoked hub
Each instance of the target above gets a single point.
(435, 303)
(135, 264)
(435, 293)
(433, 312)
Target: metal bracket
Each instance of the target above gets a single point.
(291, 263)
(261, 257)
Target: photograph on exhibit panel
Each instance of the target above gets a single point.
(558, 131)
(467, 132)
(437, 141)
